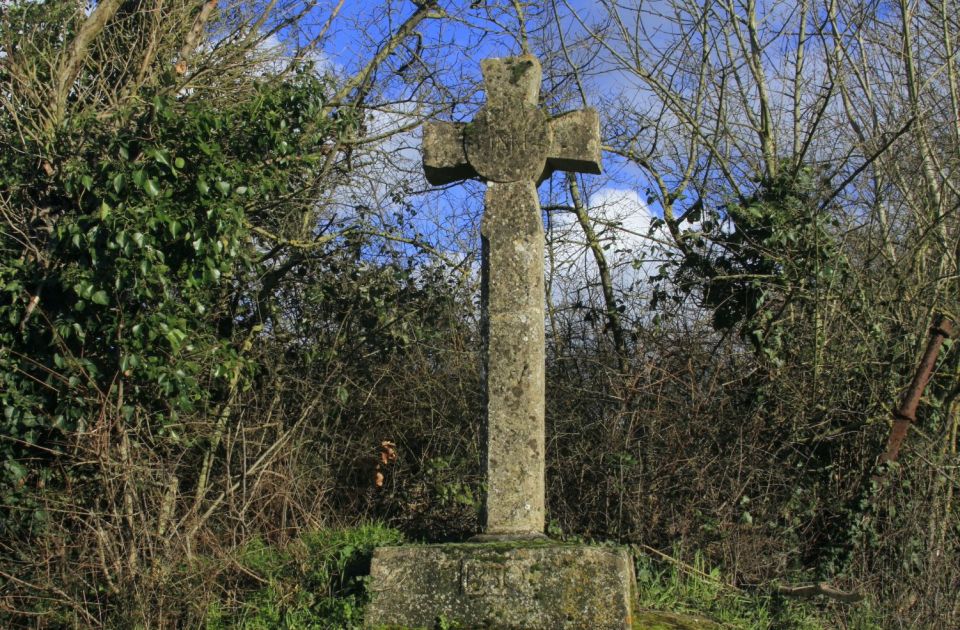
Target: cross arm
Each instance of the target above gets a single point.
(444, 157)
(575, 144)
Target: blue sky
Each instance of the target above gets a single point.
(464, 44)
(457, 45)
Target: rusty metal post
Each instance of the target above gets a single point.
(906, 413)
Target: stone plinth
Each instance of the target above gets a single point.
(501, 585)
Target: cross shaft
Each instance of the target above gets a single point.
(512, 146)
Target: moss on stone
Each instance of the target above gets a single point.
(518, 69)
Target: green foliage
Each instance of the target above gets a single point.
(316, 582)
(447, 486)
(701, 589)
(780, 252)
(382, 308)
(126, 300)
(181, 289)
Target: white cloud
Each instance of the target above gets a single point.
(621, 220)
(633, 247)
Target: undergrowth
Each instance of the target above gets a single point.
(696, 588)
(319, 582)
(316, 582)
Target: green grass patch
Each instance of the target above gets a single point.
(316, 582)
(697, 589)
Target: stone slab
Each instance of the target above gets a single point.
(501, 585)
(575, 142)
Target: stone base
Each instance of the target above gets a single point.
(501, 585)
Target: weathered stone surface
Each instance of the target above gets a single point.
(511, 145)
(575, 142)
(508, 144)
(512, 80)
(514, 458)
(444, 158)
(499, 585)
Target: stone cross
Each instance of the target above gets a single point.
(512, 146)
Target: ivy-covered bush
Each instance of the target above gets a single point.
(195, 310)
(126, 290)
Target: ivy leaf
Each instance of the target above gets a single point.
(83, 289)
(159, 157)
(151, 187)
(100, 297)
(175, 336)
(17, 471)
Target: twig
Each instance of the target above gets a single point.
(820, 588)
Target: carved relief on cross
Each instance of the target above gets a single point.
(512, 146)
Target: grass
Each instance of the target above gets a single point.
(701, 591)
(317, 582)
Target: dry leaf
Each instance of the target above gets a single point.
(388, 452)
